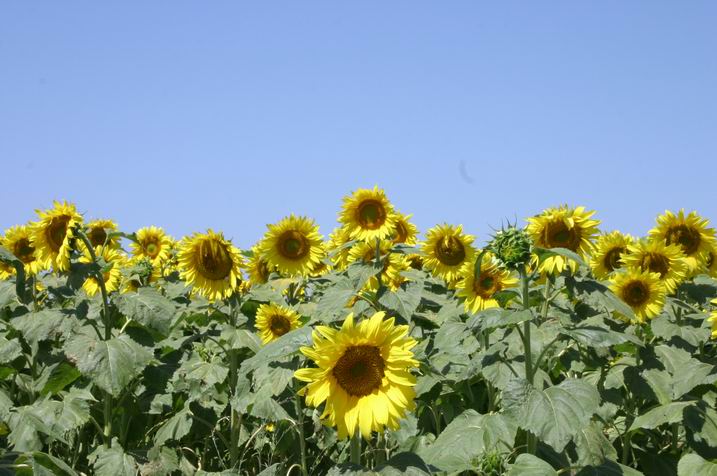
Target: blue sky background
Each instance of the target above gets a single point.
(232, 114)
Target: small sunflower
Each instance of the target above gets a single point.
(657, 257)
(211, 264)
(479, 292)
(367, 215)
(53, 235)
(258, 267)
(97, 233)
(711, 262)
(643, 291)
(293, 245)
(338, 247)
(713, 320)
(137, 273)
(273, 321)
(405, 232)
(6, 271)
(607, 255)
(394, 264)
(111, 274)
(363, 375)
(153, 243)
(446, 250)
(18, 240)
(690, 232)
(563, 227)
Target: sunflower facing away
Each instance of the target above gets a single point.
(115, 260)
(293, 245)
(367, 215)
(643, 291)
(97, 233)
(53, 235)
(393, 265)
(18, 241)
(607, 255)
(479, 292)
(153, 243)
(211, 264)
(258, 267)
(563, 227)
(273, 321)
(446, 250)
(363, 375)
(690, 232)
(665, 260)
(405, 232)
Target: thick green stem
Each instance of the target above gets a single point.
(356, 448)
(546, 300)
(380, 452)
(300, 429)
(531, 442)
(489, 386)
(235, 420)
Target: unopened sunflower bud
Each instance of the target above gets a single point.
(512, 247)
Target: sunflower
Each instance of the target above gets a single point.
(607, 255)
(273, 321)
(18, 240)
(363, 375)
(367, 215)
(97, 233)
(153, 243)
(211, 264)
(405, 232)
(258, 267)
(53, 235)
(643, 291)
(479, 293)
(6, 271)
(657, 257)
(711, 262)
(293, 245)
(394, 264)
(690, 232)
(563, 227)
(446, 250)
(111, 273)
(713, 320)
(338, 247)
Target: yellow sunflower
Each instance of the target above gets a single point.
(563, 227)
(211, 264)
(293, 245)
(446, 250)
(607, 256)
(115, 260)
(363, 375)
(18, 240)
(97, 233)
(690, 232)
(479, 292)
(711, 262)
(338, 247)
(657, 257)
(258, 267)
(53, 235)
(153, 243)
(368, 215)
(643, 291)
(394, 264)
(273, 321)
(6, 271)
(405, 231)
(713, 320)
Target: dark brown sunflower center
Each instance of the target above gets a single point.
(656, 263)
(486, 285)
(636, 293)
(360, 370)
(371, 214)
(293, 245)
(97, 236)
(450, 251)
(213, 260)
(56, 231)
(280, 325)
(152, 248)
(685, 236)
(401, 233)
(558, 235)
(24, 251)
(612, 259)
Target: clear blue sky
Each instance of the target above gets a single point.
(230, 115)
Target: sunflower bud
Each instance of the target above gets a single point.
(512, 247)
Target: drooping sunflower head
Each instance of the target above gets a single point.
(655, 256)
(293, 245)
(393, 264)
(606, 258)
(153, 243)
(405, 232)
(479, 291)
(643, 291)
(211, 264)
(367, 214)
(362, 375)
(53, 236)
(114, 260)
(97, 233)
(446, 250)
(690, 232)
(563, 227)
(273, 321)
(18, 240)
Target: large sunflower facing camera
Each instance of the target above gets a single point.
(211, 264)
(53, 236)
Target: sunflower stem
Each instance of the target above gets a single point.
(530, 438)
(300, 428)
(356, 448)
(235, 420)
(546, 300)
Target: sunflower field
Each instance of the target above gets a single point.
(555, 348)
